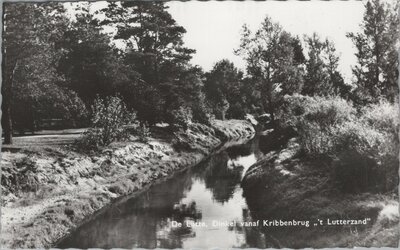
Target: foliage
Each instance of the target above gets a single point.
(322, 76)
(201, 112)
(108, 123)
(152, 37)
(236, 111)
(89, 63)
(270, 57)
(182, 117)
(332, 127)
(314, 119)
(377, 44)
(154, 49)
(28, 46)
(383, 116)
(37, 100)
(222, 87)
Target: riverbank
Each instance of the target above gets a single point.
(49, 192)
(287, 185)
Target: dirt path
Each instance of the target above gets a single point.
(44, 138)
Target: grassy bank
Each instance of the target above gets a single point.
(335, 163)
(49, 191)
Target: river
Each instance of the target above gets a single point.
(200, 207)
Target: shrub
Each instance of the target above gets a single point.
(236, 111)
(91, 139)
(364, 145)
(315, 120)
(201, 113)
(323, 110)
(181, 117)
(383, 116)
(109, 117)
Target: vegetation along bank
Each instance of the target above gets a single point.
(330, 162)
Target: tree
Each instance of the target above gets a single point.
(222, 87)
(322, 75)
(153, 47)
(377, 44)
(29, 30)
(152, 38)
(38, 93)
(271, 63)
(90, 64)
(186, 93)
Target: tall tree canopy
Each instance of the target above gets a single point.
(152, 38)
(222, 87)
(322, 75)
(377, 45)
(271, 61)
(91, 65)
(154, 48)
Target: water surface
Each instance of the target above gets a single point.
(208, 194)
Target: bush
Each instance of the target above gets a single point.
(201, 113)
(236, 111)
(315, 119)
(383, 116)
(364, 144)
(109, 117)
(181, 117)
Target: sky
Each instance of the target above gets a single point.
(213, 27)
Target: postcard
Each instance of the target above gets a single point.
(200, 124)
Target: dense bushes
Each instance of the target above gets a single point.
(108, 123)
(363, 143)
(316, 120)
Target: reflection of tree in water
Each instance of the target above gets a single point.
(255, 236)
(219, 177)
(239, 150)
(171, 237)
(143, 221)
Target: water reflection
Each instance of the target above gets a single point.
(206, 193)
(220, 176)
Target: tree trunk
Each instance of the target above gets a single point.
(223, 115)
(266, 95)
(271, 110)
(6, 91)
(7, 122)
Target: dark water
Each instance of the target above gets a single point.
(207, 193)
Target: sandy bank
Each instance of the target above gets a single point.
(49, 192)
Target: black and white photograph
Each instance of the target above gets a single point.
(200, 124)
